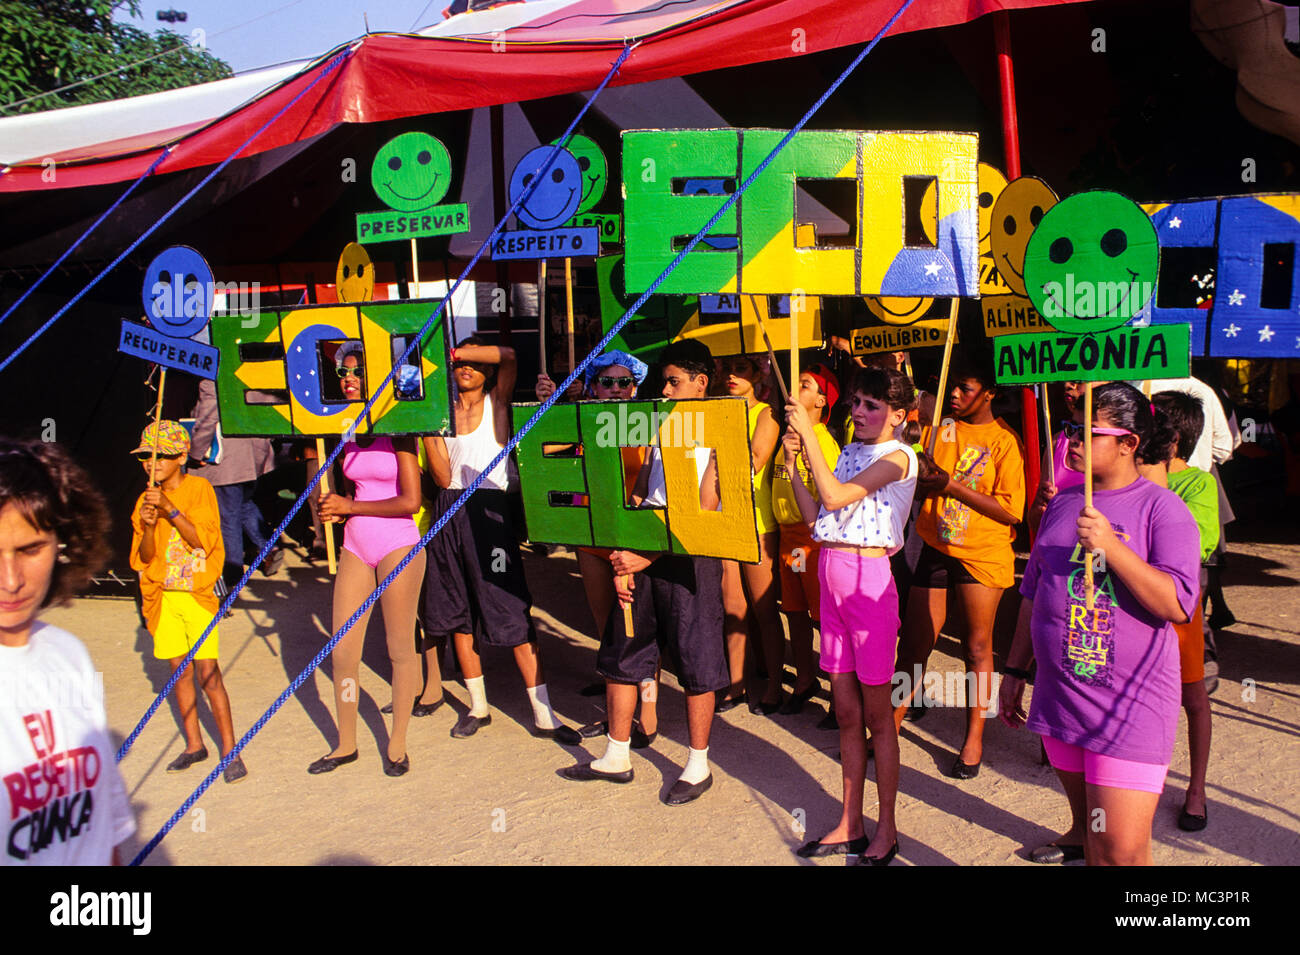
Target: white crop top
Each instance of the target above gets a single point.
(876, 520)
(471, 453)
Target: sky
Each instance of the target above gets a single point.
(249, 34)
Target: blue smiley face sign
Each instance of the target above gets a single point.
(177, 292)
(556, 197)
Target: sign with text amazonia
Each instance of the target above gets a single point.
(1125, 354)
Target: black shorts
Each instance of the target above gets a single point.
(936, 570)
(676, 611)
(474, 575)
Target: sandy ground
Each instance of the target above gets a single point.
(496, 798)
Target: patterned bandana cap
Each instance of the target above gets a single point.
(636, 366)
(172, 438)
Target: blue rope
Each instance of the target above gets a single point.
(518, 436)
(329, 461)
(330, 67)
(94, 225)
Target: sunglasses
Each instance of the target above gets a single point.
(1073, 431)
(345, 371)
(145, 455)
(605, 381)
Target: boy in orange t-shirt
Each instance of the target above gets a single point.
(176, 548)
(974, 497)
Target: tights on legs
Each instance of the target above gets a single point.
(354, 583)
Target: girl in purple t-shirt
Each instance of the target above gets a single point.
(1107, 693)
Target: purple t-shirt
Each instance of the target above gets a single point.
(1108, 679)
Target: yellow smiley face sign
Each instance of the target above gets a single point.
(354, 278)
(991, 184)
(1016, 215)
(895, 310)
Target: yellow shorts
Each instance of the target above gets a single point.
(181, 621)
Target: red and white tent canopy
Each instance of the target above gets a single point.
(507, 54)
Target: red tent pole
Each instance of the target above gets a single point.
(1011, 147)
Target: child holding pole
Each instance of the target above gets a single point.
(863, 506)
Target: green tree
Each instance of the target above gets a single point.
(48, 45)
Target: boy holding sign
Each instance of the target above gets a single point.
(676, 603)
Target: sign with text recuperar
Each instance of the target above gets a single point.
(574, 476)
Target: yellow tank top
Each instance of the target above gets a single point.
(764, 519)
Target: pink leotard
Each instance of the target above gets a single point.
(374, 471)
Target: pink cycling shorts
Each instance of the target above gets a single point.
(1100, 770)
(859, 622)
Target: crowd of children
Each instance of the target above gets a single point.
(1117, 653)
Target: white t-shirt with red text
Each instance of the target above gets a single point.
(62, 800)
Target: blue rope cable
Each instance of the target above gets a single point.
(518, 436)
(329, 461)
(330, 67)
(94, 225)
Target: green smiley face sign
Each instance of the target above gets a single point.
(411, 172)
(595, 171)
(1090, 266)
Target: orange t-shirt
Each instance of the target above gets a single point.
(175, 566)
(988, 458)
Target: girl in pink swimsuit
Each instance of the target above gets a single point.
(380, 531)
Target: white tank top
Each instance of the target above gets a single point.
(471, 453)
(878, 519)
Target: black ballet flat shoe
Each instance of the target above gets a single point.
(682, 792)
(1056, 854)
(592, 730)
(962, 770)
(887, 858)
(640, 738)
(468, 725)
(185, 760)
(817, 849)
(584, 773)
(727, 704)
(327, 764)
(1191, 823)
(399, 768)
(766, 709)
(795, 702)
(564, 735)
(387, 708)
(235, 770)
(425, 709)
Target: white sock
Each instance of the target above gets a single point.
(477, 696)
(616, 758)
(543, 715)
(697, 766)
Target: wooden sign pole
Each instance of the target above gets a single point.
(943, 376)
(541, 316)
(415, 272)
(568, 305)
(776, 369)
(1090, 594)
(324, 488)
(1047, 432)
(157, 417)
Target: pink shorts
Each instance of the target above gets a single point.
(1102, 770)
(859, 622)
